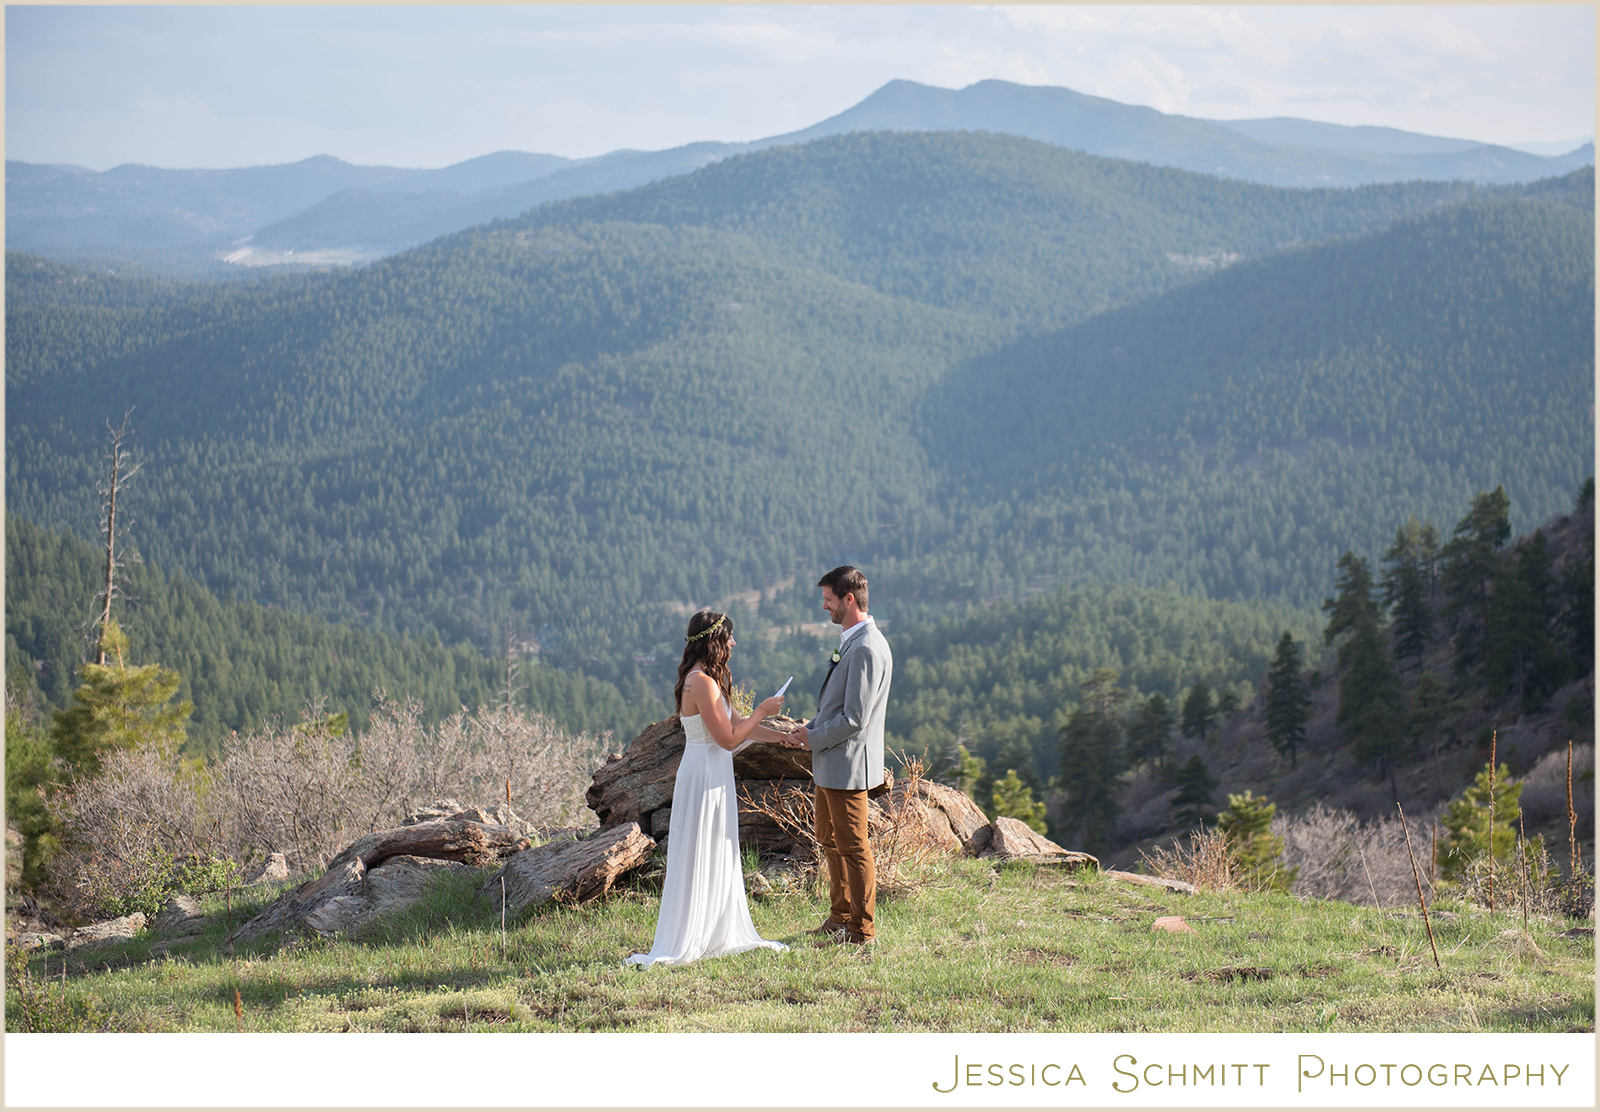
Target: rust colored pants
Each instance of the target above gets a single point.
(852, 876)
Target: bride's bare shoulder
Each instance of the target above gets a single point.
(700, 693)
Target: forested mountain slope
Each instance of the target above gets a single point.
(1234, 436)
(243, 664)
(564, 423)
(1011, 228)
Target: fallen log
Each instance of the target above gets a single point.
(568, 871)
(345, 882)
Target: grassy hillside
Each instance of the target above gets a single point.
(969, 948)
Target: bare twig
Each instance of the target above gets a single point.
(1417, 876)
(1494, 737)
(1572, 818)
(120, 473)
(1374, 888)
(1522, 860)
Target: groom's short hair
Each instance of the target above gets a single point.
(846, 580)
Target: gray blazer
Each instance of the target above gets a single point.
(846, 736)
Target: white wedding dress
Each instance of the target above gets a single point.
(704, 913)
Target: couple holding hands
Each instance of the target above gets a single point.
(704, 912)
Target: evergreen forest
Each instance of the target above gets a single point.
(1068, 412)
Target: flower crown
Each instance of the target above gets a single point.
(709, 629)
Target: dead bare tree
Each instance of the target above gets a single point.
(121, 469)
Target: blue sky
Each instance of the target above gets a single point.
(428, 86)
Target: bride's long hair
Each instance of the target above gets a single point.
(707, 651)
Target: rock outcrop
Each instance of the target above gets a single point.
(935, 813)
(1012, 839)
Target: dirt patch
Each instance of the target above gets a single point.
(1033, 956)
(472, 1013)
(1230, 973)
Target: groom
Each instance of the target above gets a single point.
(846, 741)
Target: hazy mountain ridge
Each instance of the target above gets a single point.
(194, 214)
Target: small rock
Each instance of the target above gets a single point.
(112, 930)
(182, 915)
(438, 809)
(1577, 932)
(1174, 923)
(38, 940)
(758, 886)
(274, 868)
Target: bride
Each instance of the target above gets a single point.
(703, 908)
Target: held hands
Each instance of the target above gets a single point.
(796, 739)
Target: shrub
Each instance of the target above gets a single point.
(1479, 843)
(1205, 862)
(1014, 798)
(308, 793)
(1247, 827)
(153, 823)
(1544, 790)
(1335, 856)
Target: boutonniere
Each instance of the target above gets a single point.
(834, 659)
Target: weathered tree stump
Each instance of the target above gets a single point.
(345, 884)
(636, 785)
(569, 871)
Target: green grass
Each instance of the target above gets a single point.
(970, 949)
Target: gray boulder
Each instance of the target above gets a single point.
(180, 916)
(111, 930)
(274, 868)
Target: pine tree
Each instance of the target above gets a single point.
(1199, 712)
(1092, 759)
(1371, 701)
(1406, 589)
(1470, 561)
(968, 770)
(1521, 656)
(1228, 703)
(1474, 836)
(1151, 731)
(1014, 798)
(28, 770)
(1195, 785)
(1354, 604)
(1247, 827)
(118, 706)
(1431, 706)
(1288, 701)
